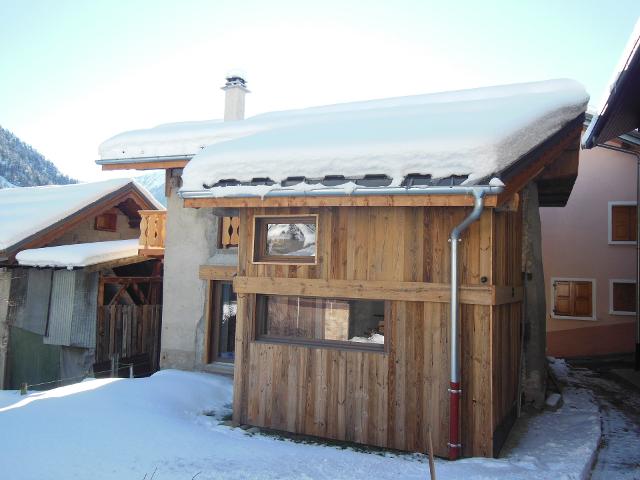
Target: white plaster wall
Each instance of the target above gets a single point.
(191, 241)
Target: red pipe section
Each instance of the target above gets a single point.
(454, 421)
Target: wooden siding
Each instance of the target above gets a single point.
(387, 398)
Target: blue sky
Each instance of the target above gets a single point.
(73, 73)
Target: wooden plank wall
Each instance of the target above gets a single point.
(385, 399)
(506, 319)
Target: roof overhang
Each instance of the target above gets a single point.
(144, 163)
(621, 112)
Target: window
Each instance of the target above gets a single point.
(229, 232)
(622, 295)
(222, 329)
(285, 239)
(622, 222)
(107, 222)
(573, 298)
(321, 321)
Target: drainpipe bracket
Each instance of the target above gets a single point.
(454, 445)
(454, 391)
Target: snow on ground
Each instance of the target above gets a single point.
(618, 455)
(78, 255)
(171, 424)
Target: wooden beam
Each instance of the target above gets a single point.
(128, 280)
(341, 201)
(535, 162)
(159, 165)
(217, 272)
(115, 263)
(376, 290)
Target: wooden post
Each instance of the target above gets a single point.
(23, 389)
(534, 383)
(432, 465)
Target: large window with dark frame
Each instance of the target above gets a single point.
(321, 321)
(222, 329)
(285, 239)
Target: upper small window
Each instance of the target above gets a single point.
(622, 222)
(107, 222)
(286, 239)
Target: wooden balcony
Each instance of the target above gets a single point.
(152, 233)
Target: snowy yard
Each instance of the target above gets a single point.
(169, 426)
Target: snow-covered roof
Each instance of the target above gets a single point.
(622, 84)
(171, 139)
(458, 137)
(78, 255)
(473, 134)
(25, 211)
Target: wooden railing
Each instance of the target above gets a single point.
(229, 228)
(152, 232)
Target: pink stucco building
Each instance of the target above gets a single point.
(589, 256)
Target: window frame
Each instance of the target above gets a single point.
(617, 203)
(259, 316)
(214, 323)
(611, 282)
(258, 242)
(112, 224)
(593, 316)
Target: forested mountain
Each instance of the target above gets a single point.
(22, 166)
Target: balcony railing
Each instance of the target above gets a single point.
(152, 233)
(229, 232)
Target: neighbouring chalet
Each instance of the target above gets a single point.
(74, 288)
(361, 268)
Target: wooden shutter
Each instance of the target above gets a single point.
(573, 298)
(562, 304)
(623, 223)
(624, 297)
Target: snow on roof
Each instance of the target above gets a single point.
(179, 139)
(630, 50)
(25, 211)
(78, 255)
(474, 133)
(626, 58)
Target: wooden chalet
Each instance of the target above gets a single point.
(356, 320)
(74, 288)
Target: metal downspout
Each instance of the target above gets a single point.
(454, 384)
(635, 154)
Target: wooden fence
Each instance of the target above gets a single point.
(129, 331)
